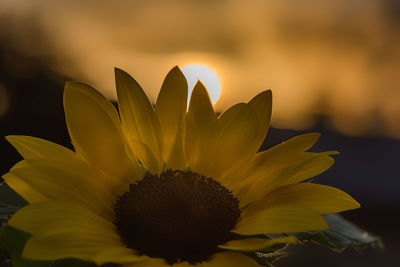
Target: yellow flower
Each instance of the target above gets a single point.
(206, 197)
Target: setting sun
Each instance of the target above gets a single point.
(194, 73)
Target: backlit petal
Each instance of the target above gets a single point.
(176, 159)
(23, 189)
(321, 198)
(151, 262)
(185, 264)
(150, 160)
(284, 153)
(313, 167)
(200, 129)
(298, 167)
(63, 230)
(95, 130)
(171, 109)
(77, 245)
(240, 135)
(230, 259)
(279, 219)
(139, 120)
(256, 244)
(33, 147)
(57, 179)
(267, 162)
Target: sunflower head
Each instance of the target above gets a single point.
(179, 215)
(207, 196)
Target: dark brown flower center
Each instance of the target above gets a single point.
(178, 216)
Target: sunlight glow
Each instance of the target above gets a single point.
(193, 73)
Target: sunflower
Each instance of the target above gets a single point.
(166, 186)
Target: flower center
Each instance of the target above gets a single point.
(178, 216)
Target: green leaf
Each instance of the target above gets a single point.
(13, 240)
(6, 211)
(267, 259)
(341, 234)
(10, 197)
(10, 202)
(267, 256)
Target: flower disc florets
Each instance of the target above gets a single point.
(178, 216)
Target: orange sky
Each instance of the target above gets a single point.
(337, 58)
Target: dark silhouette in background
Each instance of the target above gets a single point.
(367, 167)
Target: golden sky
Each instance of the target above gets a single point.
(334, 58)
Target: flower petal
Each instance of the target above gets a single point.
(151, 262)
(256, 244)
(150, 160)
(241, 131)
(296, 168)
(33, 147)
(266, 162)
(95, 130)
(281, 153)
(23, 189)
(200, 129)
(57, 179)
(49, 247)
(321, 198)
(279, 219)
(170, 109)
(176, 159)
(312, 168)
(59, 216)
(186, 264)
(139, 120)
(298, 143)
(230, 259)
(63, 230)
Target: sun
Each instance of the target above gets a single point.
(194, 73)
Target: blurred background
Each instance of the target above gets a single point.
(333, 67)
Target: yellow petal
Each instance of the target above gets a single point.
(33, 147)
(186, 264)
(56, 179)
(279, 219)
(58, 216)
(321, 198)
(157, 262)
(298, 143)
(95, 130)
(50, 246)
(311, 168)
(284, 152)
(150, 160)
(61, 229)
(176, 159)
(139, 120)
(151, 262)
(240, 132)
(297, 167)
(171, 109)
(23, 189)
(266, 162)
(256, 244)
(225, 120)
(200, 129)
(230, 259)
